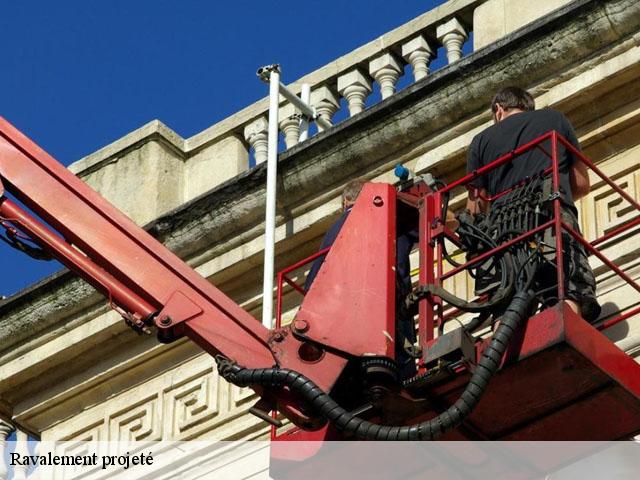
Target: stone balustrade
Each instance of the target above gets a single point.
(439, 32)
(183, 169)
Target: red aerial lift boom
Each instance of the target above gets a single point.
(331, 372)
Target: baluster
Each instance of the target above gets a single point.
(326, 103)
(256, 133)
(5, 431)
(40, 472)
(22, 447)
(386, 69)
(355, 87)
(290, 124)
(419, 54)
(452, 35)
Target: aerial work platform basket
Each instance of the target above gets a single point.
(561, 378)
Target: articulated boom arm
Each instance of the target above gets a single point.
(138, 274)
(142, 279)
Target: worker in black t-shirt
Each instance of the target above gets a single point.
(517, 123)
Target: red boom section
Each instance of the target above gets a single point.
(351, 304)
(135, 271)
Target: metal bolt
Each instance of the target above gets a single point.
(165, 321)
(278, 337)
(300, 326)
(377, 201)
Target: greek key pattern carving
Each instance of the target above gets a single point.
(141, 422)
(605, 210)
(192, 402)
(187, 402)
(84, 443)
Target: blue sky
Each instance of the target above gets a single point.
(77, 75)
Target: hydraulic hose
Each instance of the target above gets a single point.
(349, 423)
(475, 307)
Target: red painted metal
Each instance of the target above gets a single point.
(351, 304)
(592, 166)
(88, 223)
(279, 294)
(426, 314)
(557, 214)
(557, 353)
(620, 318)
(111, 287)
(498, 249)
(282, 277)
(562, 380)
(556, 222)
(293, 285)
(542, 359)
(496, 163)
(304, 261)
(508, 190)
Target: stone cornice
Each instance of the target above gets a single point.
(154, 129)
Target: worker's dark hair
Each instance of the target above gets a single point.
(351, 191)
(513, 97)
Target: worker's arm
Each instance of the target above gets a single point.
(475, 202)
(579, 179)
(451, 222)
(578, 173)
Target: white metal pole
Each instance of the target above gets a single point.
(303, 107)
(270, 216)
(305, 96)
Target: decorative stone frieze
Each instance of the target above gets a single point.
(419, 54)
(386, 69)
(355, 87)
(452, 35)
(256, 133)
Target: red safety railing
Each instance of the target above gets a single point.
(432, 310)
(283, 278)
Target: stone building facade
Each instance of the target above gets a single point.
(69, 367)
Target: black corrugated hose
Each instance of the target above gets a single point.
(349, 423)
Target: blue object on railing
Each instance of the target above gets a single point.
(401, 172)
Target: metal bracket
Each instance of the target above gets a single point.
(178, 309)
